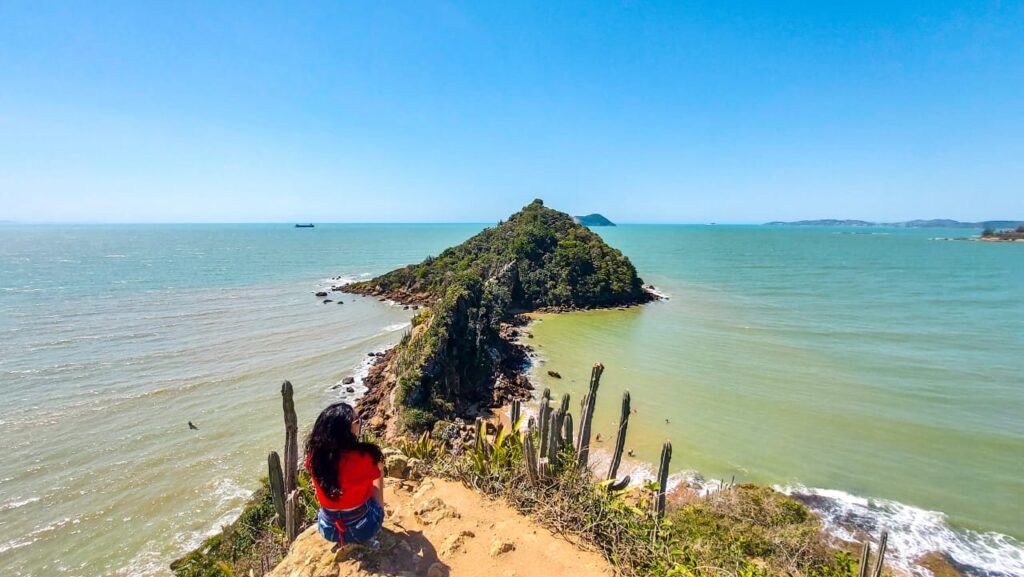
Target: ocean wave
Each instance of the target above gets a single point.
(228, 490)
(15, 544)
(10, 505)
(913, 533)
(395, 327)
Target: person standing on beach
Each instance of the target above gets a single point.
(346, 474)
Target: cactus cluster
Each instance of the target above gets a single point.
(284, 483)
(556, 431)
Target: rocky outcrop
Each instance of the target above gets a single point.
(437, 528)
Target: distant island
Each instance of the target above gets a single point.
(594, 219)
(992, 235)
(933, 223)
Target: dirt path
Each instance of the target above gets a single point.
(438, 528)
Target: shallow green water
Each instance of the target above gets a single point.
(883, 365)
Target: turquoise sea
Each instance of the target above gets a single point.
(878, 369)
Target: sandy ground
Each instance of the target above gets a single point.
(437, 528)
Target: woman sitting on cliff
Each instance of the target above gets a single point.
(347, 478)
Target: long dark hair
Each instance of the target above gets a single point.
(330, 437)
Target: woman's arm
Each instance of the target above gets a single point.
(378, 488)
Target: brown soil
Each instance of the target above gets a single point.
(438, 528)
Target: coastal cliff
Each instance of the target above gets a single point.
(459, 355)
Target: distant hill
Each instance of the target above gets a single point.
(593, 220)
(933, 223)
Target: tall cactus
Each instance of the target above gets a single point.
(560, 414)
(583, 444)
(544, 418)
(554, 438)
(515, 412)
(567, 430)
(530, 454)
(862, 569)
(291, 438)
(291, 517)
(276, 486)
(620, 440)
(881, 553)
(666, 457)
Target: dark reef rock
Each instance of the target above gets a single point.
(554, 374)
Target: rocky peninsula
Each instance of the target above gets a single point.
(495, 494)
(460, 356)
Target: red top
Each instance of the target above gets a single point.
(356, 473)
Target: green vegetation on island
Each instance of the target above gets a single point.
(458, 353)
(1014, 235)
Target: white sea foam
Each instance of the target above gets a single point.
(359, 372)
(659, 293)
(15, 544)
(914, 532)
(152, 561)
(396, 327)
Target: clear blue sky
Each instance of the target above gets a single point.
(436, 111)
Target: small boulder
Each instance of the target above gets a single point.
(436, 570)
(349, 390)
(415, 307)
(328, 301)
(417, 469)
(341, 302)
(454, 543)
(500, 547)
(321, 294)
(434, 510)
(348, 380)
(554, 374)
(396, 466)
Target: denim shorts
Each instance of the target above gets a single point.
(361, 524)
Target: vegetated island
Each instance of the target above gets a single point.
(459, 357)
(992, 235)
(933, 223)
(594, 219)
